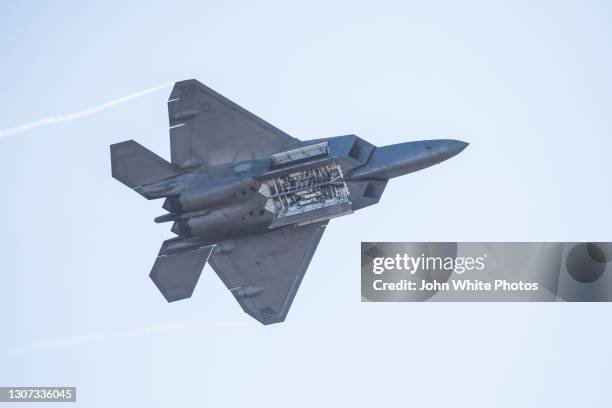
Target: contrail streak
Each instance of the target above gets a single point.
(71, 116)
(103, 337)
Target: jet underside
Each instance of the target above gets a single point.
(251, 200)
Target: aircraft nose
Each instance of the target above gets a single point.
(403, 158)
(452, 147)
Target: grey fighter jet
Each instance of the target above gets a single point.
(252, 200)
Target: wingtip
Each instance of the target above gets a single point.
(266, 316)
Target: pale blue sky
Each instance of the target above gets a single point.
(528, 84)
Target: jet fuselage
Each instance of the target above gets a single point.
(300, 187)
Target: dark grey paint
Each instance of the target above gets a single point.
(257, 214)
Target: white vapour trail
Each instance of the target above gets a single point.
(103, 337)
(71, 116)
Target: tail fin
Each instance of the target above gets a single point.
(136, 166)
(178, 266)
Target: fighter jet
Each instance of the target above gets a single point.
(251, 200)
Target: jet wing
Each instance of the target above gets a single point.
(263, 271)
(207, 129)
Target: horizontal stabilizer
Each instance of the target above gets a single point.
(177, 274)
(136, 166)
